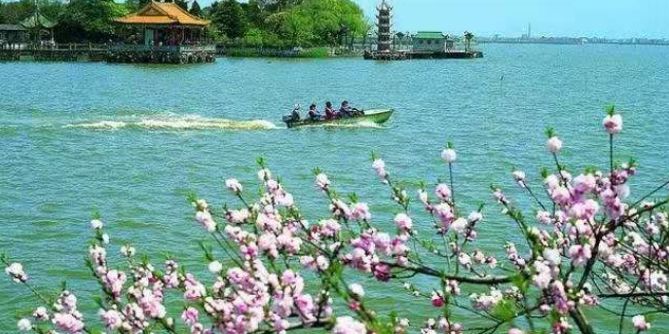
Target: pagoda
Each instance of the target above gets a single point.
(384, 50)
(383, 27)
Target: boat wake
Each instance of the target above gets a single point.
(360, 124)
(175, 123)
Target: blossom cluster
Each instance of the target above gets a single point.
(585, 245)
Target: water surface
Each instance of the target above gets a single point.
(131, 141)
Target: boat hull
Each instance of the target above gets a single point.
(378, 116)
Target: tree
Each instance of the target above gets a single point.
(229, 17)
(292, 26)
(468, 41)
(254, 37)
(17, 11)
(89, 20)
(181, 3)
(255, 13)
(195, 9)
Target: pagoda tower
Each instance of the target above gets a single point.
(383, 26)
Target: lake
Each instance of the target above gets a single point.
(130, 142)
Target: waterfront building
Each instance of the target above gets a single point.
(12, 36)
(431, 41)
(40, 28)
(162, 32)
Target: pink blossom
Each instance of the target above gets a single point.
(443, 192)
(206, 220)
(96, 224)
(580, 254)
(459, 225)
(519, 177)
(348, 325)
(234, 185)
(111, 319)
(114, 281)
(403, 222)
(68, 323)
(554, 144)
(437, 300)
(361, 211)
(449, 155)
(613, 124)
(380, 167)
(356, 290)
(640, 323)
(41, 314)
(381, 272)
(24, 325)
(515, 331)
(190, 316)
(322, 181)
(15, 271)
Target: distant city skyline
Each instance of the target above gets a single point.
(575, 18)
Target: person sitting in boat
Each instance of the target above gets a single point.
(314, 115)
(296, 113)
(329, 111)
(347, 111)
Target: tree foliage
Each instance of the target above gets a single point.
(17, 11)
(89, 20)
(291, 22)
(195, 9)
(229, 17)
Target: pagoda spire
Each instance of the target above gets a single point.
(383, 26)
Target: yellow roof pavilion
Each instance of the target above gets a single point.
(162, 13)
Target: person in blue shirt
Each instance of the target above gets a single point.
(314, 115)
(346, 111)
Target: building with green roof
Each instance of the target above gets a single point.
(431, 41)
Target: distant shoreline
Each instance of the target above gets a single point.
(570, 41)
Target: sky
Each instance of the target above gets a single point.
(575, 18)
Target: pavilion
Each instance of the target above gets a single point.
(162, 32)
(39, 27)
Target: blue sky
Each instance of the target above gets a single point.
(604, 18)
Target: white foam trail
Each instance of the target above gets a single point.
(109, 125)
(360, 124)
(178, 123)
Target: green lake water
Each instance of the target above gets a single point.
(131, 141)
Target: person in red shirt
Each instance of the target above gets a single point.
(329, 111)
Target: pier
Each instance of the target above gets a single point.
(60, 52)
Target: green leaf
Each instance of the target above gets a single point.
(505, 310)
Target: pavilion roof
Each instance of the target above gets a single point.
(37, 20)
(162, 13)
(429, 35)
(11, 27)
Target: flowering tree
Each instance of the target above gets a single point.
(586, 247)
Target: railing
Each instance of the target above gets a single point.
(164, 48)
(54, 47)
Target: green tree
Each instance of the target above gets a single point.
(17, 11)
(89, 20)
(255, 13)
(195, 9)
(468, 40)
(229, 18)
(254, 38)
(181, 3)
(330, 20)
(292, 26)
